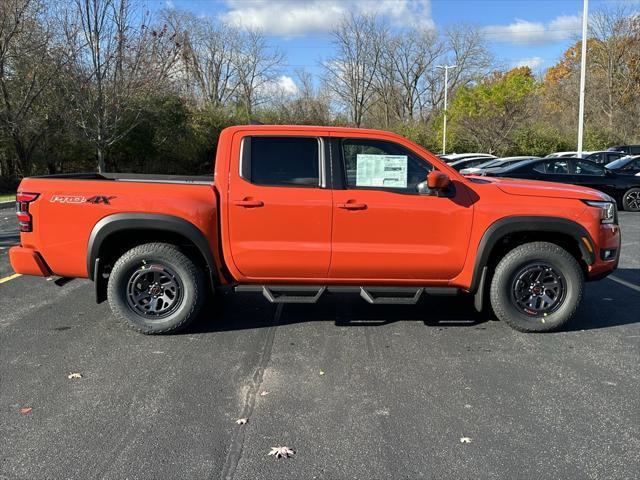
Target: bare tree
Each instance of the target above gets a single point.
(466, 47)
(614, 58)
(116, 59)
(257, 66)
(413, 56)
(351, 74)
(28, 66)
(208, 56)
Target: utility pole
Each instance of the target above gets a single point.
(446, 87)
(583, 73)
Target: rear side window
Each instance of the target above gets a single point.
(281, 161)
(552, 166)
(588, 168)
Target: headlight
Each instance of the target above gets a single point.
(607, 210)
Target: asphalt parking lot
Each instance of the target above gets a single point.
(358, 391)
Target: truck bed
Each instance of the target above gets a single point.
(134, 177)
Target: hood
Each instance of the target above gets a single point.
(535, 188)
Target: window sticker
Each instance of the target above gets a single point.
(381, 171)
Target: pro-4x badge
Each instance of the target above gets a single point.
(96, 199)
(99, 199)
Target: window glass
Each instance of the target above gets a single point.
(283, 161)
(384, 165)
(584, 167)
(553, 167)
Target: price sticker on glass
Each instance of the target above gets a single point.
(381, 171)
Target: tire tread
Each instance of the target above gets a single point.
(172, 252)
(544, 249)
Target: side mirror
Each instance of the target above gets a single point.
(437, 180)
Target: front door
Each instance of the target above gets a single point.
(279, 209)
(383, 228)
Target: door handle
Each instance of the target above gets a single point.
(249, 203)
(352, 206)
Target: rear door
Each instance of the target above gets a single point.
(383, 228)
(279, 208)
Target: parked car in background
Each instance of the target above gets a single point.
(604, 157)
(568, 155)
(461, 156)
(496, 163)
(468, 162)
(625, 189)
(628, 165)
(628, 149)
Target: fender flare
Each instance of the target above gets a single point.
(509, 225)
(146, 221)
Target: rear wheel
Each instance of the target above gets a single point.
(155, 288)
(537, 287)
(631, 200)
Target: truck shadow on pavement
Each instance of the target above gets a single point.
(606, 304)
(249, 311)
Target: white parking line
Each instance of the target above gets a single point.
(624, 282)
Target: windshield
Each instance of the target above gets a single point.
(490, 163)
(517, 164)
(621, 162)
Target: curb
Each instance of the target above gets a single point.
(11, 203)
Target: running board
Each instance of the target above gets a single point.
(376, 295)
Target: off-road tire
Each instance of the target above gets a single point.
(188, 275)
(631, 200)
(502, 291)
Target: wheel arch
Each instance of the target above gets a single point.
(114, 234)
(507, 233)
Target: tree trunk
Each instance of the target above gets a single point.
(101, 166)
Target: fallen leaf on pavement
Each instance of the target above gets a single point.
(264, 393)
(25, 410)
(242, 421)
(72, 376)
(465, 440)
(282, 452)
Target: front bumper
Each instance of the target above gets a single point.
(609, 239)
(28, 262)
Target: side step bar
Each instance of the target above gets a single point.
(372, 294)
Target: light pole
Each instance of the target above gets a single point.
(583, 73)
(446, 85)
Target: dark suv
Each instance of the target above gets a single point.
(628, 149)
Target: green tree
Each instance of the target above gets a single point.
(486, 115)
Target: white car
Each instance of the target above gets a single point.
(495, 163)
(461, 156)
(568, 154)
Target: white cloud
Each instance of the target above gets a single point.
(533, 62)
(286, 85)
(298, 17)
(524, 32)
(283, 86)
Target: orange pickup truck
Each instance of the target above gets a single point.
(300, 212)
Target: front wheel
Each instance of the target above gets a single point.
(537, 287)
(631, 200)
(155, 288)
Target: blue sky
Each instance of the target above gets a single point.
(531, 32)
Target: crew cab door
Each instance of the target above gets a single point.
(279, 211)
(383, 228)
